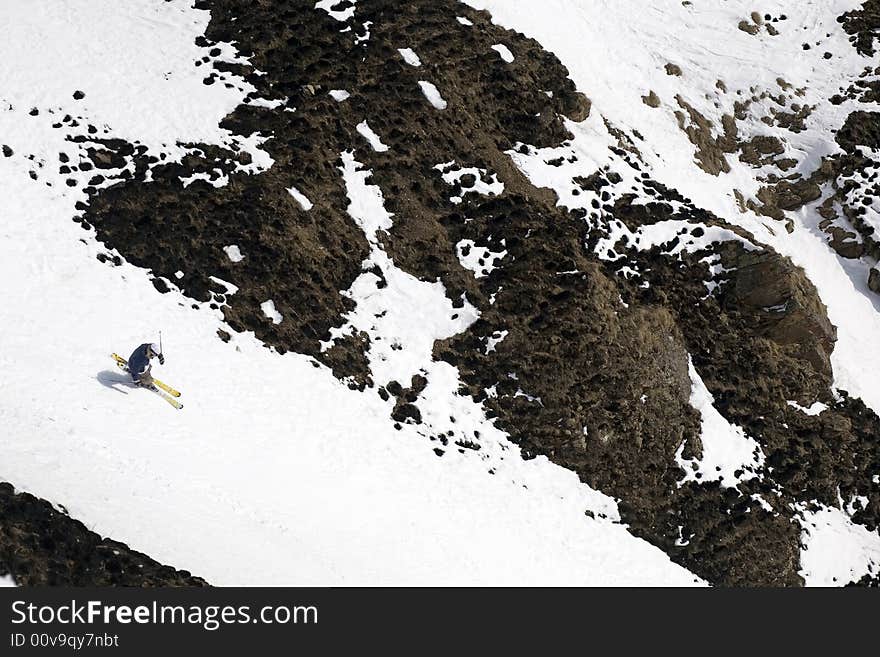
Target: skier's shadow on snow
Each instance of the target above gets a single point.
(112, 379)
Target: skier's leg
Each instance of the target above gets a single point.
(144, 378)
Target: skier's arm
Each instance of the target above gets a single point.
(151, 351)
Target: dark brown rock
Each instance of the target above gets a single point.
(874, 280)
(651, 100)
(793, 314)
(860, 129)
(863, 24)
(41, 545)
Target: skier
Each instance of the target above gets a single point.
(139, 363)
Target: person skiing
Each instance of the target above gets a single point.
(139, 363)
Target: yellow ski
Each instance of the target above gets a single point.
(171, 400)
(167, 388)
(122, 363)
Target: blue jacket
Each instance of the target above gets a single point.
(139, 362)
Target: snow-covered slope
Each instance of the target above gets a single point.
(473, 327)
(275, 472)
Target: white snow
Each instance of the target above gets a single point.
(504, 52)
(6, 581)
(726, 447)
(218, 180)
(405, 316)
(479, 259)
(367, 132)
(339, 95)
(432, 94)
(764, 503)
(816, 408)
(484, 184)
(53, 51)
(233, 253)
(835, 549)
(300, 198)
(268, 104)
(341, 15)
(230, 288)
(409, 56)
(586, 153)
(366, 35)
(269, 310)
(646, 237)
(366, 204)
(494, 340)
(463, 20)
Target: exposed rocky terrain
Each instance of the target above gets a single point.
(41, 545)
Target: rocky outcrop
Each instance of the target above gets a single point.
(874, 280)
(40, 545)
(862, 25)
(710, 148)
(860, 129)
(789, 309)
(852, 180)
